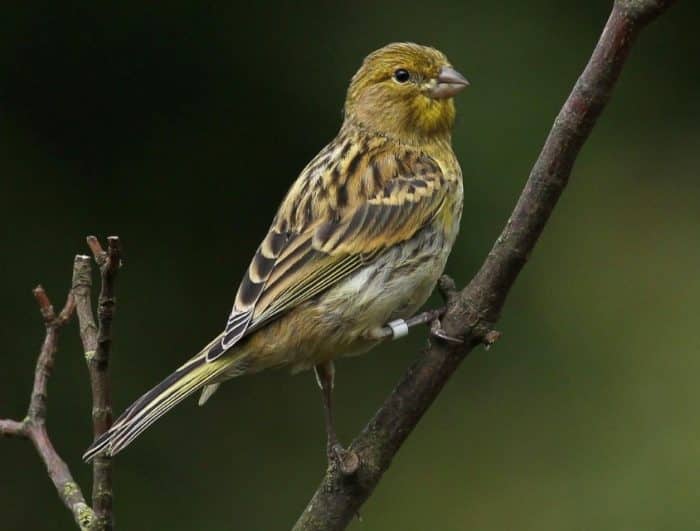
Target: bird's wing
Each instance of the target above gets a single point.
(334, 220)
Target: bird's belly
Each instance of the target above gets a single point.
(336, 323)
(393, 287)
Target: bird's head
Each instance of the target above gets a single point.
(405, 90)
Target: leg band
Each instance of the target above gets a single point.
(399, 328)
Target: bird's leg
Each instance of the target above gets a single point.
(346, 460)
(325, 377)
(399, 327)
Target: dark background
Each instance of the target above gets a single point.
(180, 126)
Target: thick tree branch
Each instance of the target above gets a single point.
(33, 427)
(473, 312)
(97, 342)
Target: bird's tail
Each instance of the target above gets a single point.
(193, 375)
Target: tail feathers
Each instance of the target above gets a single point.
(192, 376)
(207, 392)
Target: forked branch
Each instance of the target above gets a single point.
(97, 340)
(33, 426)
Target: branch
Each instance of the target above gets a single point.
(473, 312)
(33, 427)
(97, 342)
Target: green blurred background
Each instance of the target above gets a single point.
(179, 126)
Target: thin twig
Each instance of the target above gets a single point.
(97, 342)
(12, 428)
(33, 427)
(473, 312)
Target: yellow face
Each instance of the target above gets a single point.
(406, 90)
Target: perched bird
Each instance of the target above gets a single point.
(359, 241)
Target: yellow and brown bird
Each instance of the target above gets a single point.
(359, 242)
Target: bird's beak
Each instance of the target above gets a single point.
(449, 83)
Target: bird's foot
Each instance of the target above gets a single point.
(347, 461)
(437, 331)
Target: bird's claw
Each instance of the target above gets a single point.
(437, 331)
(347, 461)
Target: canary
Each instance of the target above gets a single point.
(359, 241)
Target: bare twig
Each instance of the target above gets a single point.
(473, 312)
(12, 428)
(33, 427)
(97, 342)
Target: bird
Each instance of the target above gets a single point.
(359, 242)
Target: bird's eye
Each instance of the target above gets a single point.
(402, 75)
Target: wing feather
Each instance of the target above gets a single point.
(307, 251)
